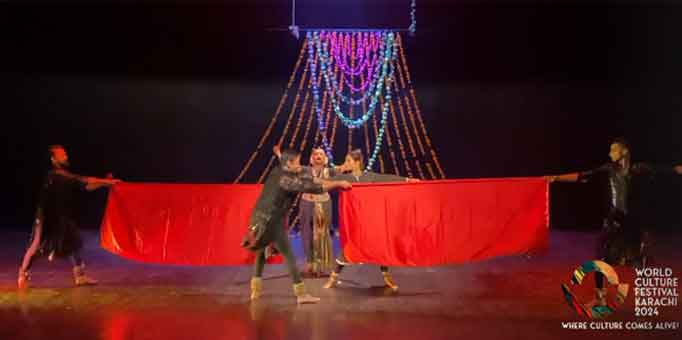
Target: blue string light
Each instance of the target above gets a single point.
(387, 74)
(323, 56)
(413, 17)
(316, 98)
(373, 82)
(384, 117)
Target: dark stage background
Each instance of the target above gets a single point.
(180, 91)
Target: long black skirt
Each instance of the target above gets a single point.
(59, 237)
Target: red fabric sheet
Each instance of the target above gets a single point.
(443, 222)
(194, 224)
(407, 224)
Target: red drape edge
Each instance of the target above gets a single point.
(443, 222)
(188, 224)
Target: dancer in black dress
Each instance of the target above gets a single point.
(55, 230)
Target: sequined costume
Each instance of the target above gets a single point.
(315, 211)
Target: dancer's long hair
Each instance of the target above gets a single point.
(357, 156)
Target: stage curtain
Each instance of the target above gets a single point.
(188, 224)
(443, 222)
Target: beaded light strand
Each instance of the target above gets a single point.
(401, 146)
(322, 51)
(391, 152)
(301, 85)
(376, 132)
(268, 130)
(419, 115)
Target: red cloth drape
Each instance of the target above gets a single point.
(195, 224)
(409, 224)
(443, 222)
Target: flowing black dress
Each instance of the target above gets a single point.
(56, 223)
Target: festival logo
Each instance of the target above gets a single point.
(604, 302)
(655, 297)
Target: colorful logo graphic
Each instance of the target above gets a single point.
(603, 304)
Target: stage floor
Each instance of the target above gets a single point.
(503, 298)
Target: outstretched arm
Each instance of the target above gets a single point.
(654, 170)
(572, 177)
(377, 177)
(583, 176)
(297, 184)
(89, 183)
(331, 185)
(277, 150)
(94, 183)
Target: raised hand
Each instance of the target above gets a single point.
(345, 167)
(277, 150)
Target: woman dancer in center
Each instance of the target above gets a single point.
(355, 164)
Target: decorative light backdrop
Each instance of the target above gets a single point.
(347, 79)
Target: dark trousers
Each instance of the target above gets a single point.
(281, 242)
(306, 210)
